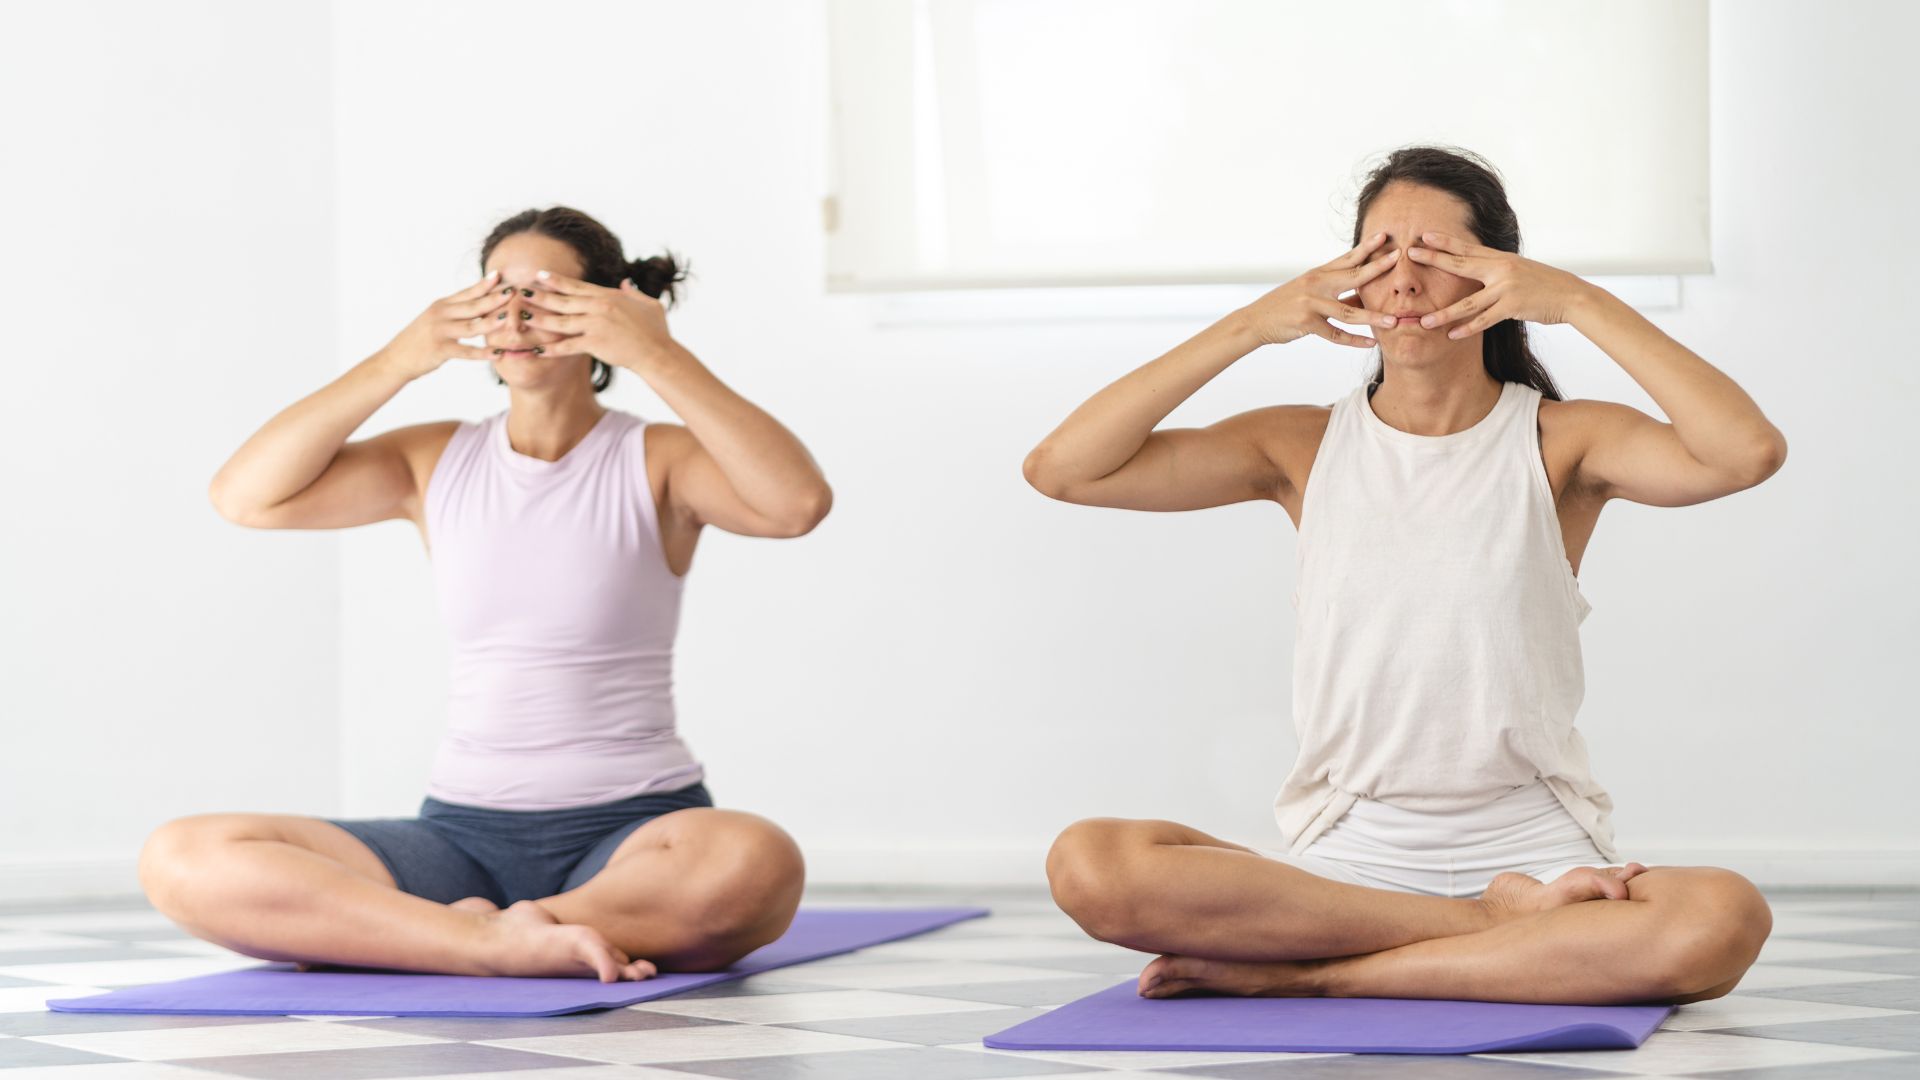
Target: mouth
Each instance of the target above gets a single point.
(1407, 320)
(528, 351)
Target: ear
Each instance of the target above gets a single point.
(627, 283)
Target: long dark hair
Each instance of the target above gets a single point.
(601, 258)
(1472, 179)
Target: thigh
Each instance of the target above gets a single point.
(420, 860)
(1326, 868)
(692, 826)
(179, 837)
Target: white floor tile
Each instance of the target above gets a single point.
(1801, 923)
(1686, 1053)
(34, 998)
(1003, 948)
(809, 1006)
(127, 972)
(35, 940)
(80, 922)
(929, 973)
(1739, 1010)
(172, 1044)
(119, 1070)
(1120, 1059)
(705, 1043)
(1796, 951)
(1778, 976)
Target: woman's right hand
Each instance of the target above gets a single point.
(1304, 305)
(434, 337)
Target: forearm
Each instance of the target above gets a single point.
(291, 450)
(1108, 429)
(766, 464)
(1712, 416)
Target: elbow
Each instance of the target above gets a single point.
(806, 512)
(1041, 476)
(224, 504)
(1767, 457)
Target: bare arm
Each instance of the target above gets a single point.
(733, 465)
(299, 472)
(1718, 442)
(1108, 453)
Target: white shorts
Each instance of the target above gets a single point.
(1451, 853)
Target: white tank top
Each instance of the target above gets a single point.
(1437, 661)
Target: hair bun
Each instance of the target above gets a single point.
(657, 276)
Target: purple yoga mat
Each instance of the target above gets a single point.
(278, 990)
(1120, 1019)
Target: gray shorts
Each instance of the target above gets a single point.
(452, 852)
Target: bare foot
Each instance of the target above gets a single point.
(1512, 895)
(528, 941)
(1170, 976)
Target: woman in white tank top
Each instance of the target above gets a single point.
(1444, 835)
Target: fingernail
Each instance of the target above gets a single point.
(526, 292)
(508, 291)
(1426, 321)
(539, 350)
(501, 315)
(526, 314)
(497, 352)
(543, 275)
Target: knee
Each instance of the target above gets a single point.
(1089, 869)
(748, 893)
(170, 858)
(1718, 927)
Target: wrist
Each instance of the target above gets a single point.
(1586, 304)
(656, 359)
(1239, 330)
(389, 367)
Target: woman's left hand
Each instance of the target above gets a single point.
(623, 327)
(1511, 287)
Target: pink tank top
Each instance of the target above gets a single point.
(561, 613)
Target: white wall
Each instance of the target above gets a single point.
(951, 667)
(169, 282)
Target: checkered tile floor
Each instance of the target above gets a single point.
(1836, 994)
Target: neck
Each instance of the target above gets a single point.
(1436, 398)
(545, 424)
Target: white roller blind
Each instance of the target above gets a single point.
(1002, 143)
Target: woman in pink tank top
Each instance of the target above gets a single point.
(567, 829)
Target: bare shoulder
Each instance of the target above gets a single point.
(1569, 430)
(420, 446)
(1292, 435)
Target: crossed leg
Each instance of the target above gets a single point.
(693, 890)
(696, 893)
(1229, 920)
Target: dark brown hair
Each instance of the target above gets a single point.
(601, 259)
(1474, 181)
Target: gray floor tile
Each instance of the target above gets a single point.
(20, 1053)
(933, 1029)
(1391, 1067)
(490, 1028)
(920, 1063)
(1906, 963)
(1884, 994)
(1878, 1032)
(63, 1023)
(1047, 992)
(370, 1063)
(1900, 937)
(1905, 1068)
(80, 954)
